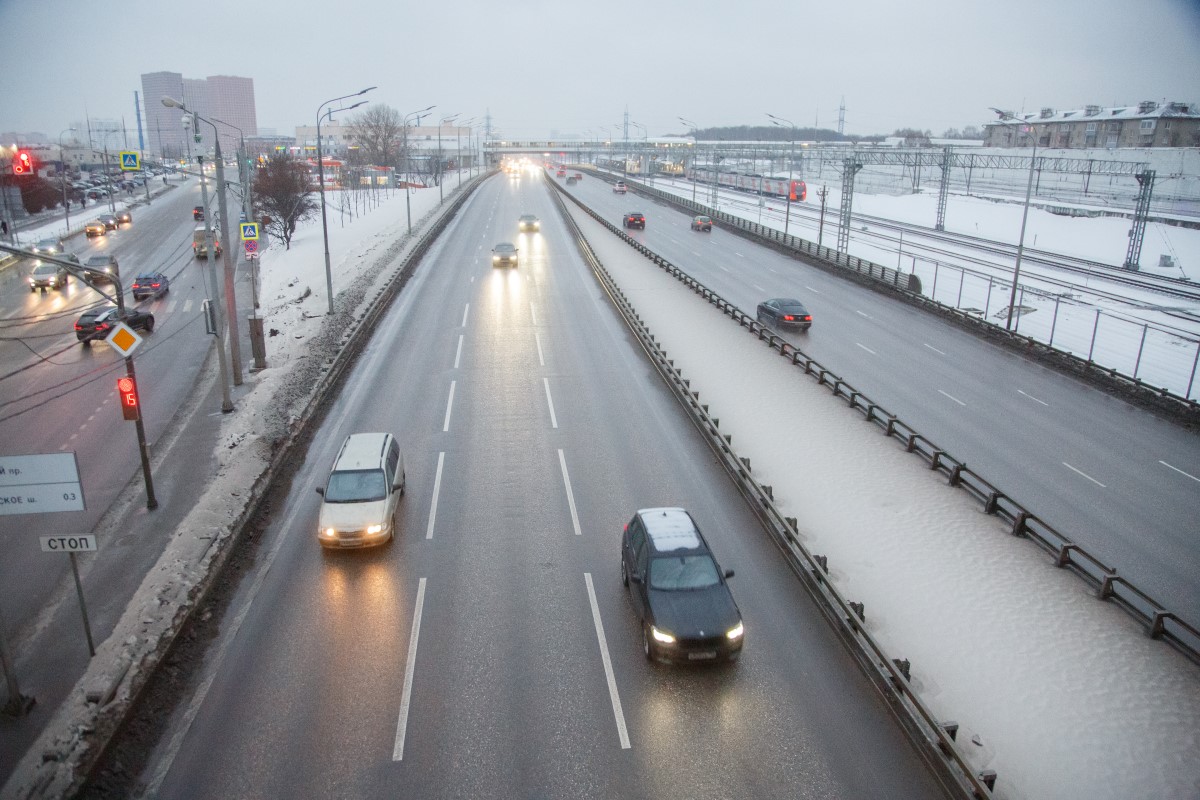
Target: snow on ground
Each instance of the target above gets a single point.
(1068, 695)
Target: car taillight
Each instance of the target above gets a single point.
(808, 317)
(78, 327)
(788, 318)
(154, 285)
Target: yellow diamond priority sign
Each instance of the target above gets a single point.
(123, 339)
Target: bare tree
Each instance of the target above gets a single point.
(284, 193)
(378, 132)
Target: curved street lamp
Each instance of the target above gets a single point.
(692, 126)
(321, 181)
(781, 122)
(407, 160)
(1007, 118)
(228, 321)
(441, 122)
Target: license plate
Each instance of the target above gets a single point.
(701, 656)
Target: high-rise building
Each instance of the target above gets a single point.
(231, 100)
(164, 126)
(224, 97)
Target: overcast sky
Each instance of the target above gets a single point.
(556, 67)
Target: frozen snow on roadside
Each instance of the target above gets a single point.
(1069, 696)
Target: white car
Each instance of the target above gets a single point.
(620, 188)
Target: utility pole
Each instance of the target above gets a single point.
(822, 193)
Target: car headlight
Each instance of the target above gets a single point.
(374, 529)
(735, 632)
(661, 636)
(329, 532)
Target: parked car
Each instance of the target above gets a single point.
(702, 223)
(150, 284)
(678, 591)
(198, 213)
(49, 246)
(504, 255)
(125, 217)
(784, 312)
(101, 267)
(97, 323)
(528, 222)
(110, 221)
(95, 228)
(362, 494)
(620, 188)
(635, 219)
(46, 275)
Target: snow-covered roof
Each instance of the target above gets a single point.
(1144, 110)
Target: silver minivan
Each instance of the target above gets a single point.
(362, 493)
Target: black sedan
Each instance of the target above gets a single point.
(677, 590)
(99, 322)
(101, 267)
(784, 312)
(635, 219)
(504, 255)
(150, 284)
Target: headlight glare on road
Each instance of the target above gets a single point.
(662, 636)
(735, 632)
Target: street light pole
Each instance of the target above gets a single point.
(692, 125)
(226, 401)
(791, 158)
(321, 182)
(66, 202)
(441, 122)
(407, 160)
(1007, 118)
(235, 355)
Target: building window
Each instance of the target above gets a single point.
(1146, 127)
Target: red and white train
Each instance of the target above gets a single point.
(776, 187)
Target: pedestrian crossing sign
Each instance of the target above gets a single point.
(130, 160)
(249, 231)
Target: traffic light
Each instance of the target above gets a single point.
(127, 391)
(22, 163)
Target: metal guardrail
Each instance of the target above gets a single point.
(886, 277)
(890, 675)
(1159, 621)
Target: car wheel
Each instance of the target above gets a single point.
(150, 325)
(86, 342)
(624, 574)
(646, 647)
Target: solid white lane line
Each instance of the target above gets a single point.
(562, 462)
(437, 489)
(449, 405)
(537, 337)
(458, 355)
(550, 402)
(811, 289)
(1031, 397)
(1084, 474)
(466, 310)
(952, 397)
(409, 668)
(229, 635)
(934, 349)
(1181, 472)
(533, 313)
(869, 350)
(861, 314)
(613, 695)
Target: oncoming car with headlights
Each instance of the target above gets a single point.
(678, 591)
(362, 493)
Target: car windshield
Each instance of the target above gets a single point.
(504, 248)
(793, 308)
(355, 486)
(674, 573)
(98, 261)
(45, 269)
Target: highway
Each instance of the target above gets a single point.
(491, 650)
(1117, 479)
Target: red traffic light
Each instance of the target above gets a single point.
(22, 163)
(127, 391)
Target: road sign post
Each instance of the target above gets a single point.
(84, 543)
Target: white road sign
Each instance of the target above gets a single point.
(79, 543)
(37, 484)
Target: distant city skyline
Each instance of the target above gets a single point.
(938, 65)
